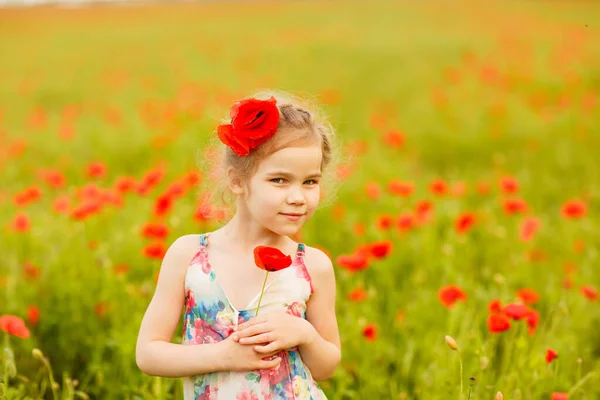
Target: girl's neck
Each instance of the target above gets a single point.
(243, 237)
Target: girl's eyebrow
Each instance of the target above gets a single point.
(283, 173)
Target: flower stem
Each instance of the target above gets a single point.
(261, 292)
(461, 374)
(5, 362)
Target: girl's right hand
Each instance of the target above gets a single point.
(243, 357)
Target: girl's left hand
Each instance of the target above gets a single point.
(278, 329)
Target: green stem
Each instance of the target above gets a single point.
(5, 362)
(461, 373)
(51, 376)
(261, 292)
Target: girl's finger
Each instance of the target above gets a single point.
(273, 346)
(251, 331)
(263, 337)
(274, 363)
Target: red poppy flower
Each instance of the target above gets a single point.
(353, 262)
(533, 318)
(405, 221)
(514, 206)
(590, 292)
(271, 259)
(400, 188)
(253, 121)
(529, 296)
(450, 294)
(529, 227)
(509, 184)
(155, 250)
(33, 315)
(394, 139)
(357, 294)
(516, 310)
(384, 222)
(495, 306)
(498, 322)
(380, 249)
(574, 209)
(438, 187)
(560, 396)
(155, 230)
(550, 355)
(370, 332)
(21, 223)
(464, 222)
(14, 325)
(372, 190)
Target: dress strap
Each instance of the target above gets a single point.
(203, 241)
(301, 250)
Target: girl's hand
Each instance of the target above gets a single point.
(243, 358)
(275, 331)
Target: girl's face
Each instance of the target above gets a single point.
(287, 182)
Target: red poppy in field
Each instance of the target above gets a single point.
(529, 226)
(155, 230)
(153, 177)
(33, 315)
(394, 139)
(21, 223)
(384, 222)
(120, 269)
(438, 187)
(528, 296)
(403, 189)
(163, 205)
(498, 322)
(14, 325)
(155, 250)
(370, 332)
(125, 184)
(448, 295)
(550, 355)
(423, 211)
(372, 190)
(405, 221)
(27, 196)
(574, 209)
(560, 396)
(96, 170)
(495, 306)
(61, 205)
(338, 212)
(514, 206)
(271, 259)
(176, 189)
(353, 262)
(53, 178)
(357, 294)
(516, 310)
(533, 318)
(509, 185)
(380, 249)
(464, 222)
(589, 292)
(343, 172)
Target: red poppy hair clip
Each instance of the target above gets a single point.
(253, 121)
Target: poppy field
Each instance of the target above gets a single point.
(463, 222)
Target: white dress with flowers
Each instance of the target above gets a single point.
(210, 317)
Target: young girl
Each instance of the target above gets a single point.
(275, 156)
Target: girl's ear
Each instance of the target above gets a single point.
(234, 182)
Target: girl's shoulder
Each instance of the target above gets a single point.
(317, 262)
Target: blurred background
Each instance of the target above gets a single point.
(469, 134)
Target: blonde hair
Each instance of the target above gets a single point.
(300, 124)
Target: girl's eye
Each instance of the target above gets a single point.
(276, 179)
(313, 181)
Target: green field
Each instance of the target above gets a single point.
(497, 102)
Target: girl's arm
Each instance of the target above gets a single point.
(322, 352)
(155, 354)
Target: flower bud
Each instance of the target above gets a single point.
(451, 342)
(37, 353)
(499, 396)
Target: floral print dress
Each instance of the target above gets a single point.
(210, 317)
